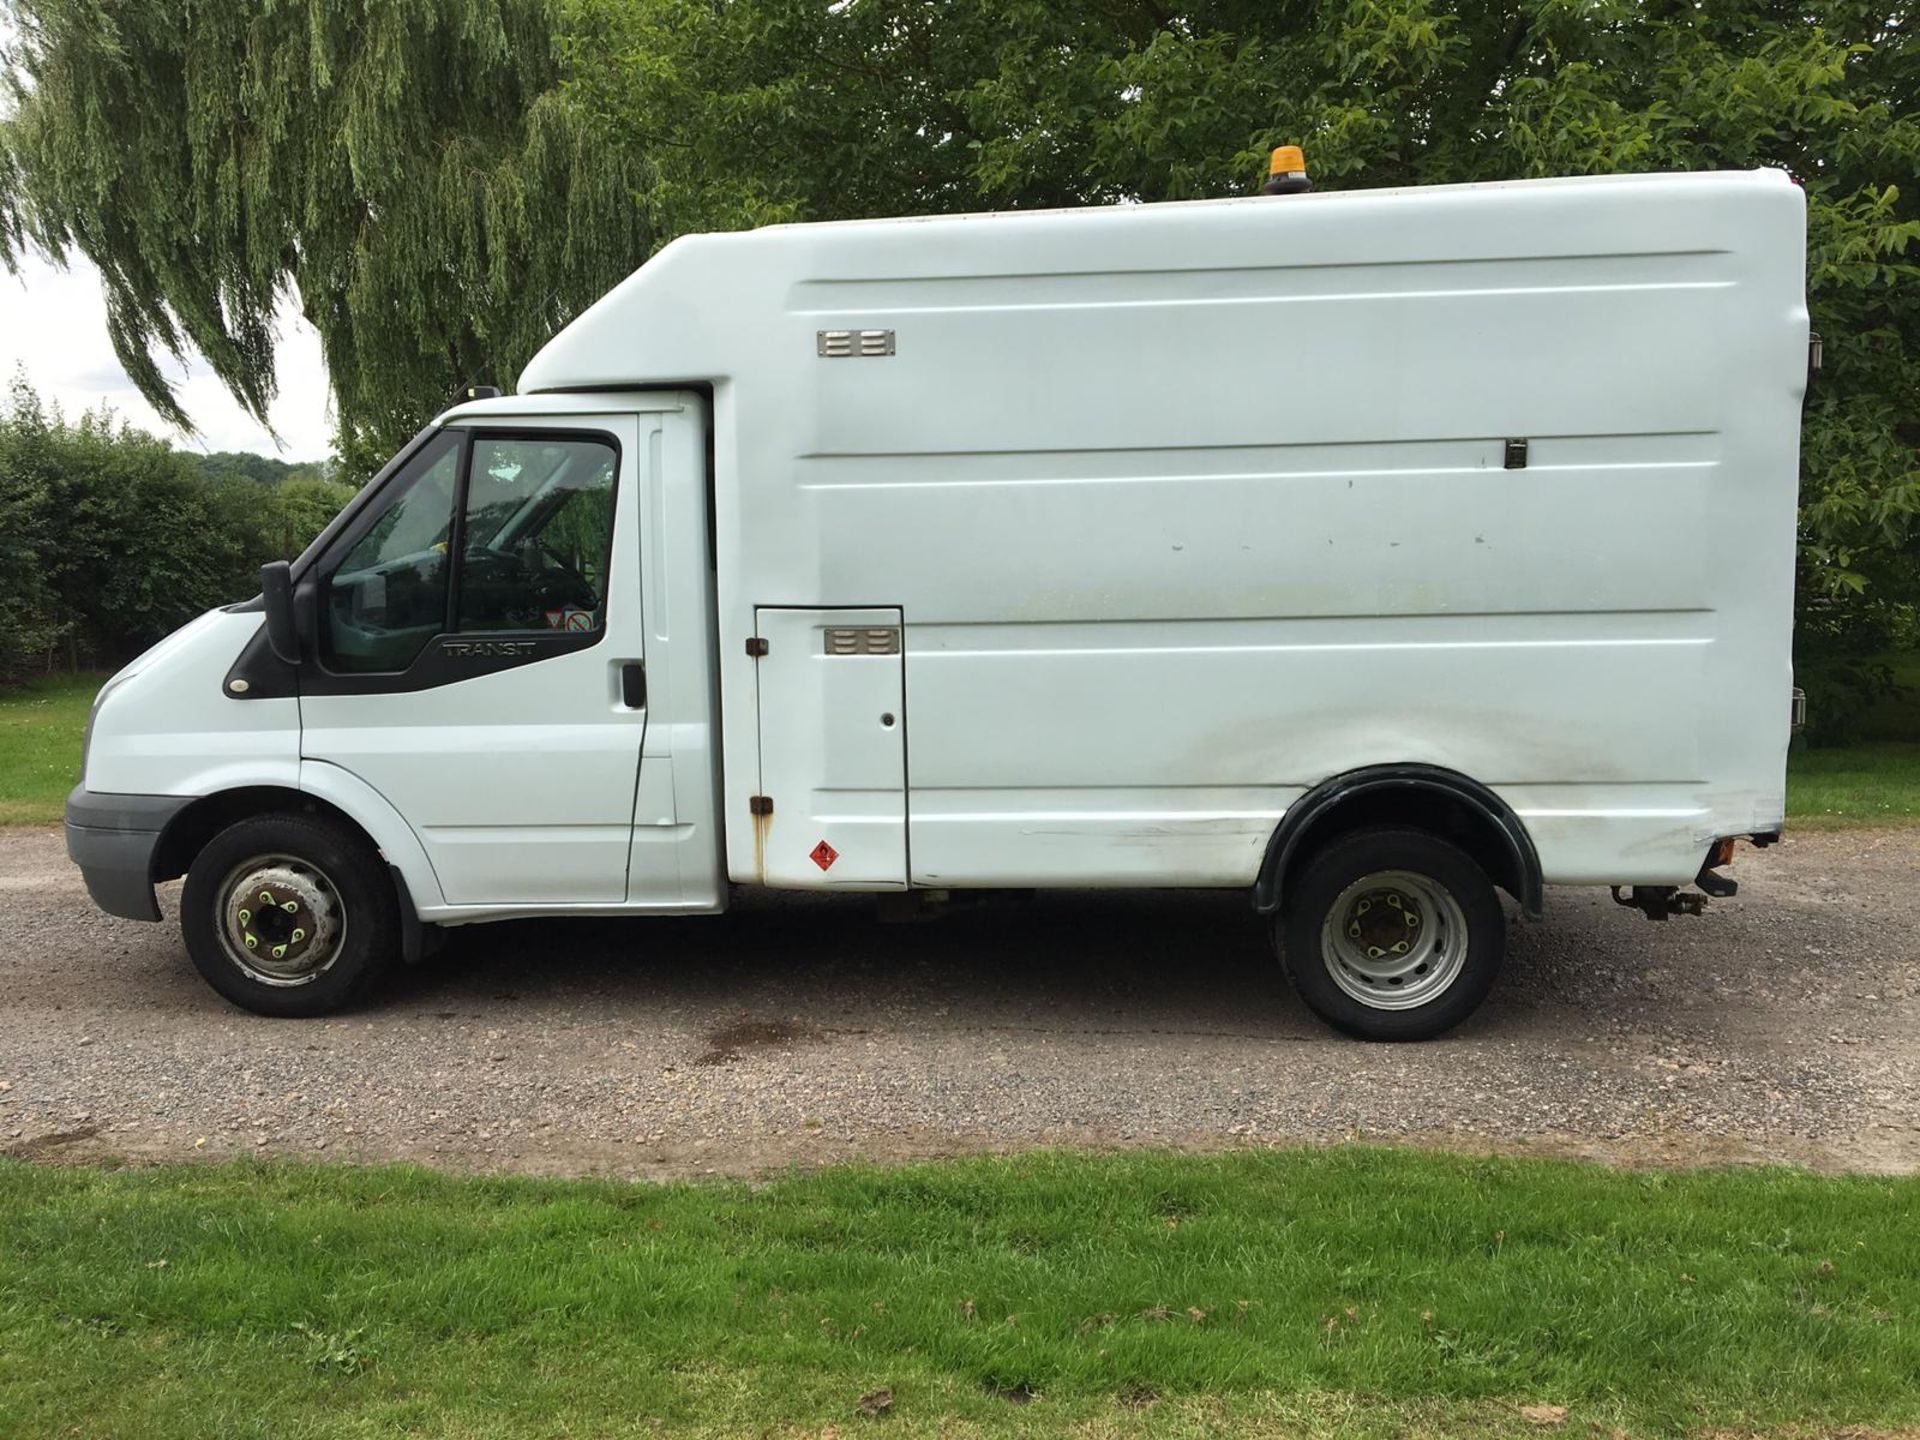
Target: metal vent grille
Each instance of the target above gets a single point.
(848, 344)
(864, 640)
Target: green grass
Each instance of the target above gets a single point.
(1349, 1291)
(41, 725)
(1872, 782)
(1875, 780)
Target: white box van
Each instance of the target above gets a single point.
(1365, 552)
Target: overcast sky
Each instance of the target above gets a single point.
(54, 323)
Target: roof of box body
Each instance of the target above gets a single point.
(684, 316)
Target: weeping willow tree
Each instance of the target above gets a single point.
(406, 169)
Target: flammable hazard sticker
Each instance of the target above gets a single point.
(823, 855)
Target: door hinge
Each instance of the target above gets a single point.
(756, 647)
(759, 804)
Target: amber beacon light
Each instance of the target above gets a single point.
(1287, 175)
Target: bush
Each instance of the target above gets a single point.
(111, 539)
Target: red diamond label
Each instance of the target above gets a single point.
(823, 855)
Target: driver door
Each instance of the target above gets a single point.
(479, 653)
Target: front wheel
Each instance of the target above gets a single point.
(1392, 935)
(289, 915)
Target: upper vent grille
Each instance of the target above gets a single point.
(847, 344)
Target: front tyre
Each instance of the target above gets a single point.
(1392, 935)
(289, 915)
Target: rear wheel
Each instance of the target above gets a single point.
(289, 915)
(1392, 935)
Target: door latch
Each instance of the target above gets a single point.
(633, 684)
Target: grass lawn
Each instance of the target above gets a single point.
(1871, 782)
(41, 725)
(1876, 780)
(1346, 1291)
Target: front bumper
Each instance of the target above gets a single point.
(112, 839)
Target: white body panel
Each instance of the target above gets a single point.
(169, 731)
(162, 726)
(1190, 507)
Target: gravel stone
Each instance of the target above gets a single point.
(796, 1030)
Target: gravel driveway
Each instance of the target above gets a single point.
(1782, 1025)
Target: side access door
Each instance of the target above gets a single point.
(832, 807)
(479, 651)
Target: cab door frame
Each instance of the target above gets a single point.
(512, 755)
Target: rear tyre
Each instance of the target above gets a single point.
(289, 915)
(1392, 935)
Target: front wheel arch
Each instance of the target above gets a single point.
(188, 832)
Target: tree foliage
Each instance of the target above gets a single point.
(758, 110)
(260, 469)
(403, 167)
(445, 183)
(110, 538)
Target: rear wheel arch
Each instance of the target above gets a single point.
(1441, 802)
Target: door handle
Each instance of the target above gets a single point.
(633, 684)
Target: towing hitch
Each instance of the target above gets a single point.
(1659, 902)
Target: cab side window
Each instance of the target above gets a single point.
(478, 532)
(388, 597)
(537, 537)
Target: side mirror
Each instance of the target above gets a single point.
(276, 590)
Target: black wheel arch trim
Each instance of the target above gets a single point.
(1322, 799)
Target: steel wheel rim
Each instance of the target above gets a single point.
(280, 920)
(1394, 940)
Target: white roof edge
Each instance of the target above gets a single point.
(1764, 175)
(565, 402)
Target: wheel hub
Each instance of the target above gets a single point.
(1384, 922)
(280, 920)
(1394, 940)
